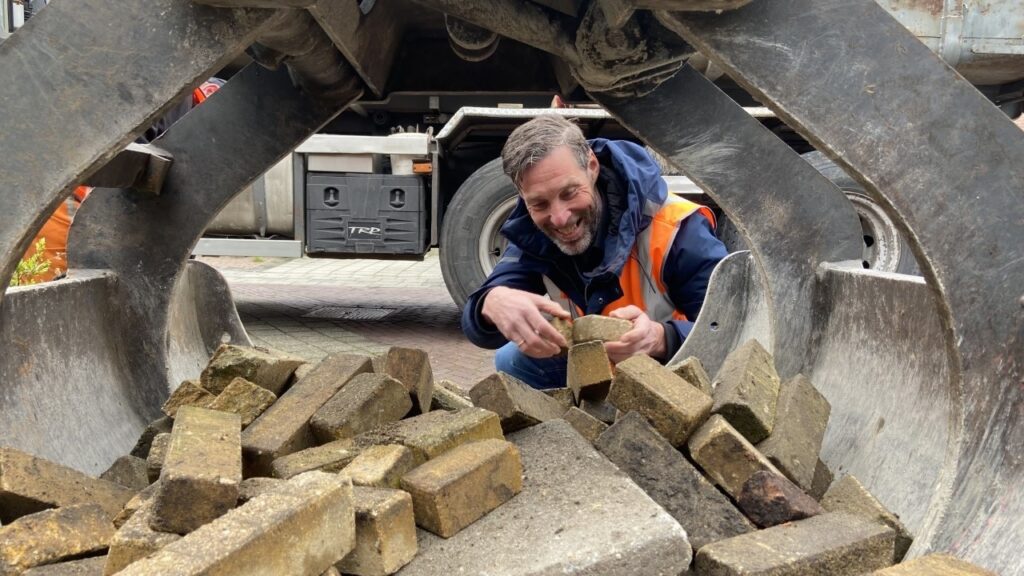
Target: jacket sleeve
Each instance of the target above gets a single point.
(694, 254)
(512, 272)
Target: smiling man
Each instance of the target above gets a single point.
(595, 231)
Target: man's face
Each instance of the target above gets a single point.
(562, 199)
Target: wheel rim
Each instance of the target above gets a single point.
(492, 243)
(881, 239)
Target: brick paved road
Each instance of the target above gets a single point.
(312, 307)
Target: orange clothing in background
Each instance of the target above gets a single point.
(55, 232)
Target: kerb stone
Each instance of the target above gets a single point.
(769, 500)
(692, 370)
(431, 434)
(588, 426)
(245, 399)
(589, 372)
(135, 540)
(669, 479)
(934, 565)
(380, 466)
(850, 496)
(596, 327)
(366, 402)
(411, 367)
(673, 406)
(201, 472)
(270, 371)
(385, 532)
(801, 417)
(833, 544)
(747, 390)
(54, 535)
(577, 514)
(304, 526)
(458, 487)
(29, 484)
(330, 457)
(188, 393)
(514, 402)
(726, 456)
(128, 471)
(284, 427)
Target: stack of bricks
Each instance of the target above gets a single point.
(264, 462)
(734, 458)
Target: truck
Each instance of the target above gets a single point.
(923, 372)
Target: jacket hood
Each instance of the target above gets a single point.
(637, 179)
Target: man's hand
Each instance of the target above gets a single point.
(646, 336)
(518, 316)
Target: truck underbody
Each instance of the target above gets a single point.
(923, 372)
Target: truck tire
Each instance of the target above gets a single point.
(470, 239)
(885, 248)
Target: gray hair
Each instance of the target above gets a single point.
(533, 141)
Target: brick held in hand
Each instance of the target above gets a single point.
(596, 327)
(459, 487)
(517, 404)
(769, 500)
(368, 401)
(30, 484)
(674, 407)
(747, 391)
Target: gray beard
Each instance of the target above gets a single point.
(585, 241)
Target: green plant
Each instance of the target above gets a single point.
(34, 265)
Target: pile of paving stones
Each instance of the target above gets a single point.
(268, 465)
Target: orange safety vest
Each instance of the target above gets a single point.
(641, 278)
(55, 231)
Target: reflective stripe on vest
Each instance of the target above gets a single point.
(641, 279)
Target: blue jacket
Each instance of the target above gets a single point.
(628, 180)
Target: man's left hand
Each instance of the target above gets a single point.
(646, 336)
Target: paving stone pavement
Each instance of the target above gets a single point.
(312, 307)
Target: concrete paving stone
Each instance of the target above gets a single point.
(672, 481)
(431, 434)
(330, 457)
(822, 480)
(588, 426)
(201, 472)
(449, 396)
(674, 407)
(245, 399)
(411, 367)
(85, 567)
(603, 525)
(934, 565)
(801, 417)
(589, 372)
(366, 402)
(30, 484)
(188, 393)
(133, 505)
(603, 411)
(158, 426)
(253, 487)
(563, 395)
(157, 453)
(284, 427)
(229, 362)
(385, 532)
(692, 370)
(726, 456)
(314, 510)
(834, 544)
(54, 535)
(460, 486)
(769, 500)
(747, 390)
(596, 327)
(128, 471)
(850, 496)
(136, 540)
(517, 404)
(380, 466)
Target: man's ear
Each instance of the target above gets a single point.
(593, 166)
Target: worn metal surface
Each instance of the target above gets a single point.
(949, 168)
(255, 119)
(82, 79)
(369, 42)
(139, 166)
(790, 216)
